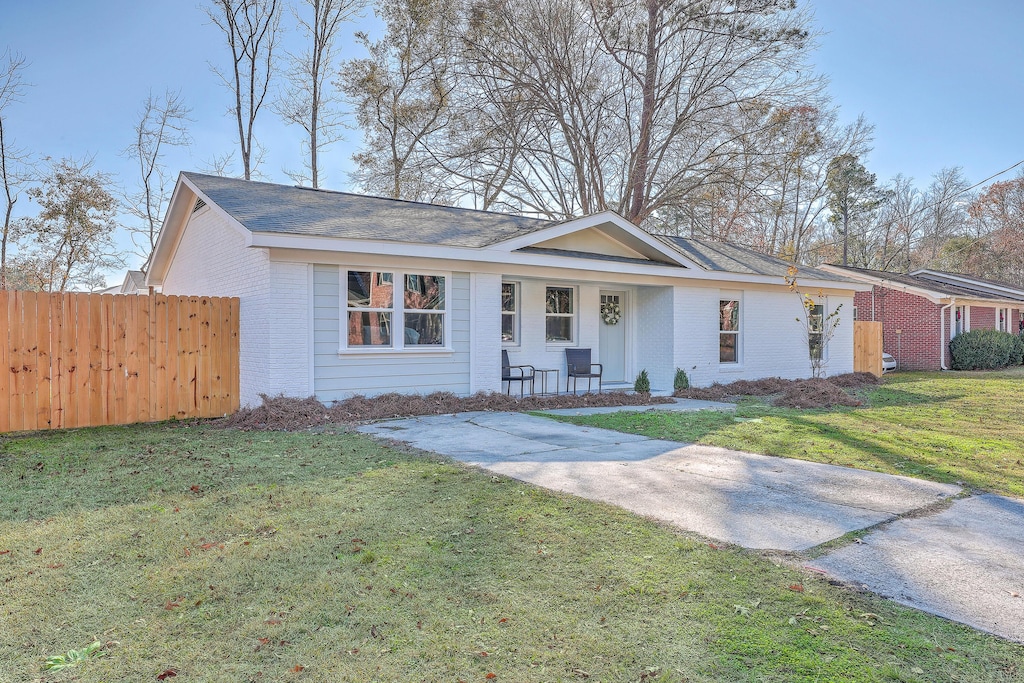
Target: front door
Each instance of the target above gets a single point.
(612, 339)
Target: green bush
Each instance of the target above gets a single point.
(681, 381)
(985, 350)
(1018, 350)
(642, 385)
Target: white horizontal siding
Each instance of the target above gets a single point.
(339, 376)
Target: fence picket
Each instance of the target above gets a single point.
(78, 360)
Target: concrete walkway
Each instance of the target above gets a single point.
(965, 563)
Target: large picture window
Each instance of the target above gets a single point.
(728, 330)
(377, 318)
(559, 314)
(509, 312)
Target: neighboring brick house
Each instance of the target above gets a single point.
(921, 311)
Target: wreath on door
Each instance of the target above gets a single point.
(611, 313)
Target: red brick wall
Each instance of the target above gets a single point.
(983, 318)
(917, 347)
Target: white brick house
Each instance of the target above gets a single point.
(327, 280)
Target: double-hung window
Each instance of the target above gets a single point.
(559, 315)
(381, 315)
(509, 312)
(816, 331)
(371, 308)
(728, 330)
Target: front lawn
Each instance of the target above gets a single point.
(201, 554)
(962, 427)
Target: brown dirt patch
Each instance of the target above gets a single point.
(278, 413)
(807, 393)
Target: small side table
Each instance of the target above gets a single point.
(543, 374)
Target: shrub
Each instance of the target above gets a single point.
(642, 385)
(984, 350)
(681, 381)
(1018, 350)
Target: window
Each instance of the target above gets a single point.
(1003, 319)
(962, 322)
(728, 330)
(371, 303)
(509, 312)
(372, 307)
(424, 310)
(815, 330)
(559, 315)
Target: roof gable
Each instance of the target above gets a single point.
(602, 235)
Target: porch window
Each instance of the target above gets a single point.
(424, 310)
(509, 312)
(559, 314)
(728, 330)
(815, 331)
(371, 306)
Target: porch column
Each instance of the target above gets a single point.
(484, 332)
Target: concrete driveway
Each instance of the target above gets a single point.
(751, 500)
(964, 562)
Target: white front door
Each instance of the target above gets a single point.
(612, 339)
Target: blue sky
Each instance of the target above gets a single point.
(941, 80)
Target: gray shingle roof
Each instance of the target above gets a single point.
(272, 208)
(730, 258)
(933, 285)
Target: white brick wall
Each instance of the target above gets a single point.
(212, 260)
(655, 335)
(485, 332)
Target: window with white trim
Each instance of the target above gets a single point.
(1003, 319)
(376, 310)
(728, 330)
(509, 312)
(560, 315)
(371, 308)
(816, 331)
(962, 323)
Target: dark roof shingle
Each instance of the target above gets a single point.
(272, 208)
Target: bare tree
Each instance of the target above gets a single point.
(70, 242)
(946, 201)
(401, 95)
(308, 101)
(14, 169)
(250, 28)
(162, 122)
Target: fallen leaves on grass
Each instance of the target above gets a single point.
(797, 588)
(805, 393)
(167, 673)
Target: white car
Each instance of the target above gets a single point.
(888, 363)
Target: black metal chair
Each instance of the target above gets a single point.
(578, 365)
(516, 373)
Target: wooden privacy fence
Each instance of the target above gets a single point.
(867, 347)
(80, 360)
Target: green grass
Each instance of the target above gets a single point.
(233, 556)
(953, 427)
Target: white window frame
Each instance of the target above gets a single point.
(965, 321)
(574, 326)
(1003, 319)
(517, 291)
(823, 302)
(738, 298)
(398, 311)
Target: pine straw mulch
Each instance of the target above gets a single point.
(789, 393)
(278, 413)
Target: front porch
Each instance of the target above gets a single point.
(627, 328)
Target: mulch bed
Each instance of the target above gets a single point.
(790, 393)
(278, 413)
